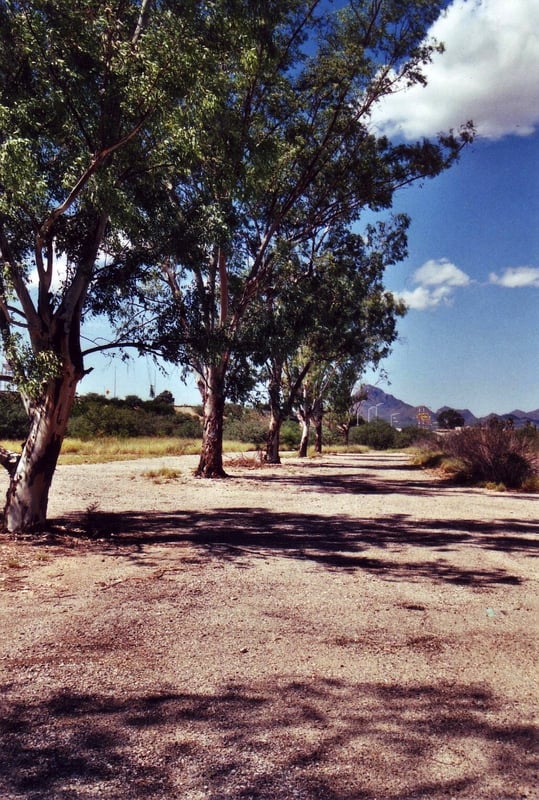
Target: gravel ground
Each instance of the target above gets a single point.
(334, 629)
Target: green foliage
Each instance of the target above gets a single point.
(290, 435)
(378, 435)
(285, 163)
(412, 436)
(165, 398)
(96, 416)
(449, 419)
(174, 166)
(245, 425)
(31, 369)
(13, 417)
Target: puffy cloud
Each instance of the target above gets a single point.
(488, 73)
(423, 298)
(517, 277)
(437, 281)
(442, 271)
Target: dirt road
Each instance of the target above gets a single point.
(335, 629)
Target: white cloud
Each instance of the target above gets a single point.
(517, 277)
(437, 281)
(423, 298)
(488, 73)
(442, 271)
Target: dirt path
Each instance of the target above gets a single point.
(338, 629)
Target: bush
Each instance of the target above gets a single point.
(14, 423)
(244, 425)
(413, 436)
(94, 415)
(494, 455)
(379, 435)
(290, 435)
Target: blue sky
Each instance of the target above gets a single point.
(471, 280)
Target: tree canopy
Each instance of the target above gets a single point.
(450, 419)
(87, 94)
(168, 164)
(286, 154)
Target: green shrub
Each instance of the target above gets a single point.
(14, 422)
(95, 416)
(290, 435)
(412, 436)
(245, 425)
(331, 436)
(379, 435)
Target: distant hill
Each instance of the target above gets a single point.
(400, 414)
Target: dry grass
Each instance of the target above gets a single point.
(76, 451)
(339, 449)
(107, 449)
(162, 475)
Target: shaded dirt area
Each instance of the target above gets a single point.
(335, 629)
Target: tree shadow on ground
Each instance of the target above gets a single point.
(333, 478)
(338, 543)
(361, 477)
(328, 739)
(350, 484)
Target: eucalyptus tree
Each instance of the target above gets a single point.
(349, 322)
(340, 403)
(88, 90)
(287, 153)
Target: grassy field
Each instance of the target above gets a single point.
(103, 450)
(97, 451)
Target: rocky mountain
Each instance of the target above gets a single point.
(400, 414)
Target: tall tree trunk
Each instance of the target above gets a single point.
(304, 416)
(28, 493)
(317, 417)
(273, 441)
(305, 422)
(318, 435)
(345, 430)
(274, 433)
(210, 464)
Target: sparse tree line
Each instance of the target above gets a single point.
(97, 416)
(197, 174)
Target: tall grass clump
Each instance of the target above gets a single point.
(494, 455)
(118, 448)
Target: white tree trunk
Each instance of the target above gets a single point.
(211, 454)
(28, 493)
(305, 423)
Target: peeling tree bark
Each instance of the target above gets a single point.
(276, 418)
(211, 454)
(273, 441)
(305, 430)
(28, 492)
